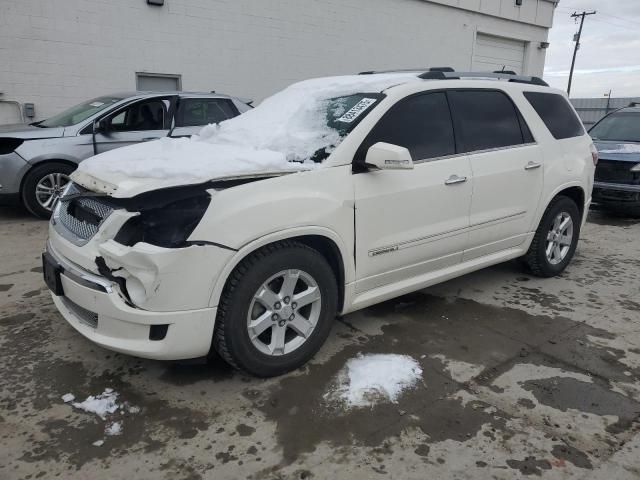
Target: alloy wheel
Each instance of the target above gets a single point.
(49, 189)
(559, 238)
(284, 312)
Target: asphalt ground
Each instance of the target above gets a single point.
(522, 377)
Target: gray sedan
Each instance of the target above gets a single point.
(37, 159)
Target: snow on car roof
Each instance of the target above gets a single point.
(281, 134)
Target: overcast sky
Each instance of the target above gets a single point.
(609, 57)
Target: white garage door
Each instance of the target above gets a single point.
(493, 53)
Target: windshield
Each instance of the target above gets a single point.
(79, 113)
(619, 127)
(307, 120)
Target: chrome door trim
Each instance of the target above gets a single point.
(437, 236)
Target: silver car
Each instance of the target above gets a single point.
(37, 159)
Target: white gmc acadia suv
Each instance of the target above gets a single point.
(332, 195)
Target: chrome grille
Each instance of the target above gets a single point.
(85, 316)
(81, 227)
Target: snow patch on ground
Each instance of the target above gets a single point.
(370, 379)
(281, 134)
(106, 406)
(101, 405)
(68, 397)
(460, 371)
(114, 428)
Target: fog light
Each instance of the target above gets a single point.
(158, 332)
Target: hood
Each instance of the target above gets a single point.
(129, 171)
(619, 151)
(29, 132)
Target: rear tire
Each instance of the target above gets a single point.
(556, 239)
(259, 326)
(43, 185)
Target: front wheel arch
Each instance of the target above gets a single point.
(324, 240)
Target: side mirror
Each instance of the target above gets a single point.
(385, 156)
(100, 126)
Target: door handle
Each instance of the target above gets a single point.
(454, 180)
(532, 166)
(148, 139)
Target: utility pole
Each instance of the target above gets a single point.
(582, 16)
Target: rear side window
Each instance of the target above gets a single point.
(557, 114)
(421, 123)
(486, 119)
(196, 112)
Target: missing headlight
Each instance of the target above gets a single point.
(8, 145)
(167, 226)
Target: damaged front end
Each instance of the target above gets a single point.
(142, 244)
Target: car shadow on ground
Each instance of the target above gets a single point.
(11, 214)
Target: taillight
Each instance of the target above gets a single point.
(594, 154)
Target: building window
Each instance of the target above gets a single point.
(158, 82)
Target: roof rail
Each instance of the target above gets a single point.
(397, 70)
(448, 75)
(408, 70)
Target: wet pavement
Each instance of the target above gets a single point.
(522, 378)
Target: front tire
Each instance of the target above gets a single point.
(276, 310)
(43, 185)
(556, 239)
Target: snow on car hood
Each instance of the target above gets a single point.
(620, 151)
(280, 135)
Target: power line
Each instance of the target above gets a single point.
(600, 12)
(582, 16)
(599, 20)
(630, 23)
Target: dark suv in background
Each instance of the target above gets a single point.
(617, 138)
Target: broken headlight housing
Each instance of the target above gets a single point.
(8, 145)
(164, 222)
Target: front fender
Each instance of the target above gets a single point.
(345, 252)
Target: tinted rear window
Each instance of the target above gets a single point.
(486, 120)
(557, 114)
(196, 112)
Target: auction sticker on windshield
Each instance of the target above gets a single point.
(357, 110)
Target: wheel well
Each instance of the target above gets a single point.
(330, 251)
(577, 195)
(45, 162)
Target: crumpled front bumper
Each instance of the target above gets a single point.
(143, 300)
(92, 306)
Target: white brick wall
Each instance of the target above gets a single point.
(58, 53)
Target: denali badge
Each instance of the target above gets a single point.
(381, 251)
